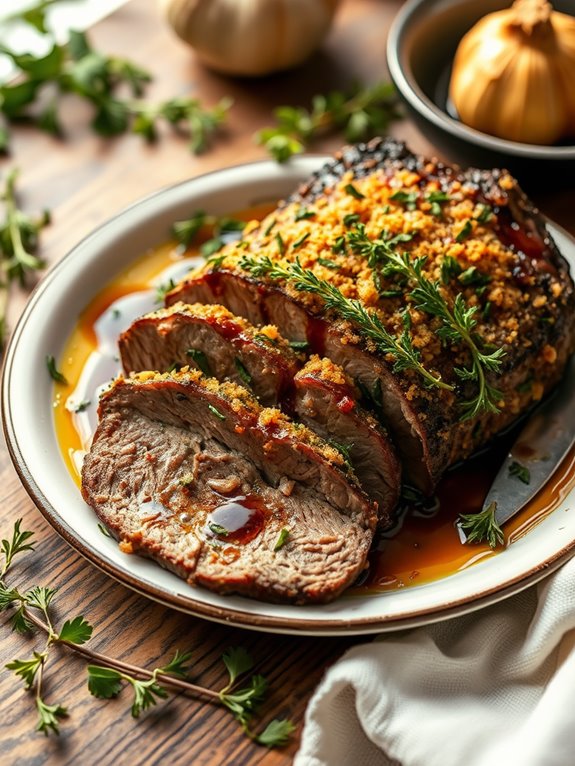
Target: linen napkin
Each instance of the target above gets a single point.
(496, 686)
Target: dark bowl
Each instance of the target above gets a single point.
(421, 45)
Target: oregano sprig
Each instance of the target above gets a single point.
(458, 320)
(107, 676)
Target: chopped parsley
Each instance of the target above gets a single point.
(55, 373)
(200, 359)
(282, 539)
(216, 412)
(351, 189)
(520, 471)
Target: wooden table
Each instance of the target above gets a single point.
(84, 180)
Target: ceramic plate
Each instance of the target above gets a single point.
(27, 397)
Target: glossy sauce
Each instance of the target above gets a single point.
(423, 545)
(242, 517)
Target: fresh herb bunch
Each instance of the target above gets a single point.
(458, 321)
(222, 229)
(361, 113)
(482, 527)
(367, 322)
(75, 67)
(19, 239)
(107, 677)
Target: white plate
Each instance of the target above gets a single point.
(27, 407)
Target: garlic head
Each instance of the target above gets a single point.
(514, 74)
(250, 37)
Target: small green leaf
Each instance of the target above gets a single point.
(48, 716)
(464, 232)
(217, 529)
(7, 597)
(299, 242)
(20, 622)
(40, 597)
(145, 693)
(276, 733)
(163, 289)
(104, 683)
(27, 669)
(299, 345)
(283, 537)
(351, 219)
(520, 471)
(216, 412)
(176, 666)
(242, 372)
(354, 191)
(237, 662)
(200, 359)
(104, 530)
(55, 374)
(211, 247)
(76, 631)
(408, 199)
(303, 214)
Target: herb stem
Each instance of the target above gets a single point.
(120, 665)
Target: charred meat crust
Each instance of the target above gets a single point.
(523, 294)
(204, 512)
(212, 339)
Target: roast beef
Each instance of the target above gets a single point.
(327, 401)
(212, 339)
(472, 235)
(230, 495)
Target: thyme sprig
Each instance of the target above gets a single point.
(107, 676)
(458, 321)
(400, 347)
(361, 113)
(482, 527)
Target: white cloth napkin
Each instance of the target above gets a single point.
(495, 687)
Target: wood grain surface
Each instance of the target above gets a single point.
(84, 180)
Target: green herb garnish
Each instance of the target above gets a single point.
(369, 324)
(19, 240)
(162, 290)
(242, 372)
(299, 242)
(55, 374)
(407, 199)
(520, 471)
(282, 539)
(299, 345)
(464, 232)
(76, 68)
(328, 264)
(354, 191)
(303, 214)
(458, 320)
(31, 612)
(217, 529)
(437, 198)
(216, 412)
(362, 113)
(482, 527)
(200, 359)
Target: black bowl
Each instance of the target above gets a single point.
(421, 45)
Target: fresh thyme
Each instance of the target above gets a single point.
(482, 527)
(368, 323)
(360, 114)
(458, 321)
(75, 67)
(31, 611)
(19, 239)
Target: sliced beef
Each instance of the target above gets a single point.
(226, 494)
(327, 401)
(473, 234)
(212, 339)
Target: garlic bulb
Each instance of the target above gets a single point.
(251, 37)
(514, 74)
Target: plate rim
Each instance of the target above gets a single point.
(330, 626)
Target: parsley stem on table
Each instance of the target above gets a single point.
(108, 676)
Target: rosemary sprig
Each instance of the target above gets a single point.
(363, 112)
(458, 320)
(482, 527)
(19, 239)
(367, 322)
(107, 676)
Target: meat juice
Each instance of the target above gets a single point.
(423, 545)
